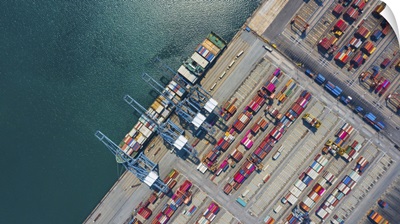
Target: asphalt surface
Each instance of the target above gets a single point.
(282, 19)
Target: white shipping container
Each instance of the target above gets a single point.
(309, 202)
(300, 185)
(358, 147)
(292, 199)
(354, 175)
(312, 173)
(322, 213)
(322, 160)
(346, 190)
(344, 126)
(199, 60)
(350, 130)
(212, 217)
(330, 199)
(132, 132)
(352, 185)
(322, 182)
(295, 191)
(341, 186)
(313, 195)
(328, 209)
(355, 155)
(335, 192)
(187, 74)
(145, 131)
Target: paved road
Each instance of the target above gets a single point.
(297, 55)
(374, 194)
(282, 19)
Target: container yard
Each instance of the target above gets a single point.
(351, 37)
(272, 145)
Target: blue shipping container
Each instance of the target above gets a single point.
(241, 202)
(346, 180)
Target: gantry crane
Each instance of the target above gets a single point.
(168, 131)
(165, 69)
(183, 109)
(141, 166)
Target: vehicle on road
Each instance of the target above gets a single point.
(268, 48)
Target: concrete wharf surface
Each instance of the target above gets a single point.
(240, 81)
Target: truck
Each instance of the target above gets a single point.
(358, 110)
(313, 121)
(320, 79)
(377, 218)
(382, 203)
(345, 100)
(309, 73)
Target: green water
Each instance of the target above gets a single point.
(64, 68)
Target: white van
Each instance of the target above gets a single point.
(276, 156)
(268, 48)
(245, 193)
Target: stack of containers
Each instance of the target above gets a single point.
(362, 164)
(352, 151)
(311, 173)
(177, 89)
(291, 199)
(237, 155)
(256, 103)
(144, 212)
(359, 4)
(320, 79)
(256, 127)
(368, 48)
(386, 30)
(222, 145)
(160, 219)
(242, 121)
(246, 141)
(243, 173)
(276, 134)
(192, 210)
(352, 13)
(291, 219)
(222, 167)
(334, 90)
(355, 42)
(329, 177)
(338, 10)
(299, 106)
(385, 86)
(210, 214)
(313, 197)
(274, 112)
(376, 35)
(341, 190)
(363, 32)
(263, 149)
(358, 59)
(228, 188)
(345, 131)
(277, 72)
